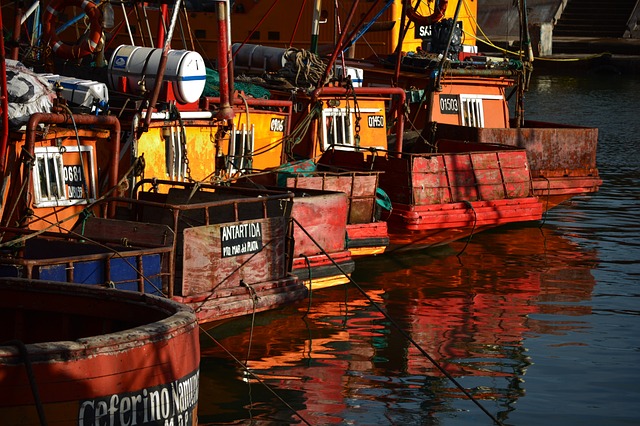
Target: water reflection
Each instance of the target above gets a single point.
(335, 359)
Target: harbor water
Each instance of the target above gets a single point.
(538, 323)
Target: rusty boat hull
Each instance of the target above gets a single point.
(440, 197)
(80, 355)
(562, 157)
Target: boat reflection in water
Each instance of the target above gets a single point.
(339, 359)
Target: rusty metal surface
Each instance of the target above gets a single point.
(552, 149)
(90, 344)
(205, 270)
(324, 217)
(471, 176)
(360, 187)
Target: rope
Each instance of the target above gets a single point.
(254, 376)
(310, 284)
(302, 69)
(32, 379)
(400, 329)
(473, 228)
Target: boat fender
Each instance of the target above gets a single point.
(66, 51)
(438, 13)
(383, 200)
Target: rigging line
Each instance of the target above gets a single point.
(75, 128)
(24, 353)
(188, 24)
(473, 228)
(306, 259)
(254, 376)
(362, 26)
(211, 296)
(254, 29)
(295, 28)
(400, 329)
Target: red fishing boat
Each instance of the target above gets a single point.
(81, 355)
(456, 93)
(436, 194)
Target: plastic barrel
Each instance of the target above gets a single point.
(185, 70)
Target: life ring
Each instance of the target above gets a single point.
(49, 20)
(436, 16)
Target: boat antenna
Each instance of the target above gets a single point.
(315, 26)
(438, 86)
(403, 32)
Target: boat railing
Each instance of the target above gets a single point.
(86, 256)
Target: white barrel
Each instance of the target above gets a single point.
(185, 71)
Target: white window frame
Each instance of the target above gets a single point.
(53, 157)
(342, 113)
(472, 110)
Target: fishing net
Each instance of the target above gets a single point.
(212, 86)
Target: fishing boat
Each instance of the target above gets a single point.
(74, 354)
(456, 93)
(78, 209)
(453, 91)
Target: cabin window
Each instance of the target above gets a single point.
(472, 111)
(200, 34)
(338, 130)
(60, 176)
(255, 35)
(273, 35)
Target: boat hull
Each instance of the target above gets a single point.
(455, 192)
(366, 234)
(562, 157)
(96, 355)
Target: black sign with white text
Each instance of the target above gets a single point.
(449, 104)
(376, 121)
(242, 238)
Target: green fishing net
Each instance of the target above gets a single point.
(212, 87)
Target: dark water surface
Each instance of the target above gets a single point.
(540, 323)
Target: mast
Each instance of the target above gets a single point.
(315, 26)
(526, 56)
(446, 50)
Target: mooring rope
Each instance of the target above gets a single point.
(254, 376)
(24, 353)
(473, 228)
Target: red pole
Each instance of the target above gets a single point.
(224, 60)
(4, 103)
